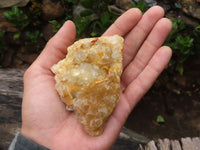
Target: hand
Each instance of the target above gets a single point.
(44, 117)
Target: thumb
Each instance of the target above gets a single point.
(56, 48)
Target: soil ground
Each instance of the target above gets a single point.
(179, 106)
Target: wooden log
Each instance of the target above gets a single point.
(151, 146)
(11, 82)
(187, 143)
(11, 91)
(129, 140)
(196, 143)
(164, 144)
(175, 144)
(140, 147)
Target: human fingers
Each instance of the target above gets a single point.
(134, 92)
(155, 40)
(56, 48)
(138, 87)
(124, 23)
(139, 33)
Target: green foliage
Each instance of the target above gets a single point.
(17, 17)
(82, 23)
(178, 26)
(86, 12)
(106, 19)
(27, 20)
(32, 38)
(182, 45)
(133, 5)
(23, 18)
(197, 39)
(93, 20)
(88, 3)
(2, 33)
(197, 32)
(97, 6)
(160, 119)
(182, 48)
(56, 24)
(141, 5)
(34, 13)
(96, 17)
(16, 36)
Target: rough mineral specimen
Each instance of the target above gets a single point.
(88, 80)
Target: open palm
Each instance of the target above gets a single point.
(44, 117)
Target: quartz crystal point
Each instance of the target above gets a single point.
(88, 80)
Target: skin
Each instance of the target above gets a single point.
(44, 117)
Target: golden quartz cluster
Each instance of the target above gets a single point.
(88, 80)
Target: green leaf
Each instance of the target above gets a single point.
(67, 17)
(160, 119)
(197, 32)
(54, 22)
(105, 18)
(2, 33)
(86, 12)
(180, 68)
(93, 34)
(15, 10)
(16, 36)
(197, 29)
(88, 3)
(33, 38)
(97, 28)
(82, 23)
(190, 94)
(142, 6)
(177, 26)
(7, 15)
(133, 5)
(17, 17)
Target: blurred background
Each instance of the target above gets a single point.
(171, 109)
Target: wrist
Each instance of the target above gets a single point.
(22, 142)
(34, 136)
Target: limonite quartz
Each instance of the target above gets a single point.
(88, 80)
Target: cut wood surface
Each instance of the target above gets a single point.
(166, 144)
(11, 91)
(11, 82)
